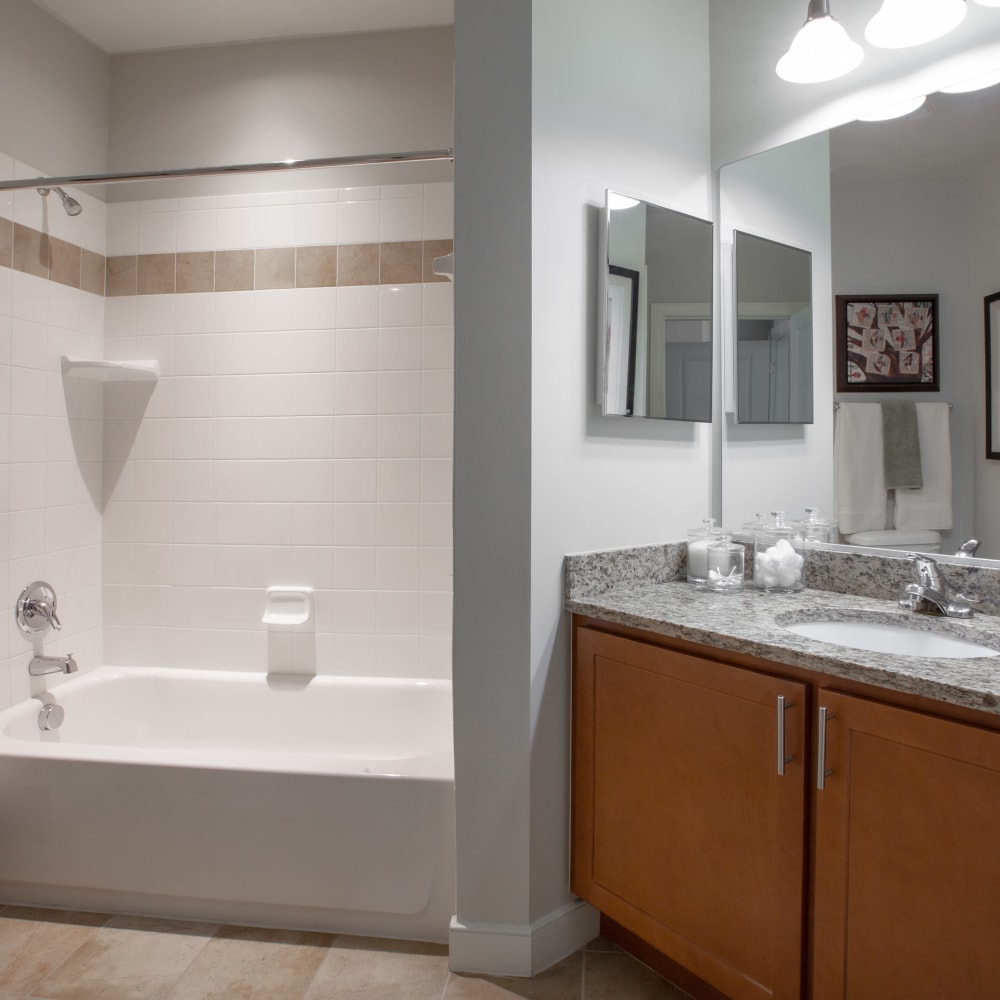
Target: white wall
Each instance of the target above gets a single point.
(334, 96)
(54, 114)
(881, 245)
(984, 279)
(783, 195)
(527, 429)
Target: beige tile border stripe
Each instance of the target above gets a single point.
(25, 249)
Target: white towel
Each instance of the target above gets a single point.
(930, 507)
(859, 475)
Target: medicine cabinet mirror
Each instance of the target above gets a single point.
(773, 330)
(655, 288)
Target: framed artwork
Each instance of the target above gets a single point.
(887, 343)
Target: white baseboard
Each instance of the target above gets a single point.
(522, 949)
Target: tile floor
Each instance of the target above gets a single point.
(66, 955)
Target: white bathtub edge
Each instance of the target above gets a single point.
(522, 949)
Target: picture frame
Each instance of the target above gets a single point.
(991, 319)
(887, 343)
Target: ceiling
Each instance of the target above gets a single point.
(120, 26)
(951, 138)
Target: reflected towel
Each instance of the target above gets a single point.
(859, 476)
(901, 446)
(930, 507)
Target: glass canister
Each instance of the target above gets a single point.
(726, 565)
(698, 541)
(816, 528)
(778, 560)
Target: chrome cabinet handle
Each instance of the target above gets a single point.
(825, 715)
(782, 758)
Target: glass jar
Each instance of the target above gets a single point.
(726, 565)
(698, 542)
(816, 528)
(778, 560)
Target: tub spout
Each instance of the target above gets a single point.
(52, 665)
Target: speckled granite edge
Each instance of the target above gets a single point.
(598, 572)
(854, 573)
(749, 623)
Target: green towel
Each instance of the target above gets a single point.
(901, 447)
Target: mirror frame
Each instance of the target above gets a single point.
(991, 326)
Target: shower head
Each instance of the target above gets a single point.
(72, 206)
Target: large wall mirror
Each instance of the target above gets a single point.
(774, 340)
(655, 334)
(915, 204)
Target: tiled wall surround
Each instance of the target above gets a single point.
(397, 263)
(299, 435)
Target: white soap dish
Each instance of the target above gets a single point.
(288, 605)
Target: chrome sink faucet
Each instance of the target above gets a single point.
(929, 595)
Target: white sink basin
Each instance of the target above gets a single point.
(898, 640)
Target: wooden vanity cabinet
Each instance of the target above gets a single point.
(883, 884)
(684, 831)
(907, 856)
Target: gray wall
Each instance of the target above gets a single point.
(54, 113)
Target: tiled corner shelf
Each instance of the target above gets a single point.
(110, 371)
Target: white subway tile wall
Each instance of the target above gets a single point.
(51, 432)
(299, 436)
(296, 436)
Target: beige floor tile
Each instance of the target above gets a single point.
(610, 976)
(247, 963)
(357, 968)
(35, 942)
(561, 982)
(130, 958)
(601, 943)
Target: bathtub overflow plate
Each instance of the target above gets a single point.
(51, 717)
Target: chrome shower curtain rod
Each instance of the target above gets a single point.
(237, 168)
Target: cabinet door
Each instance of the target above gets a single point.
(684, 831)
(907, 897)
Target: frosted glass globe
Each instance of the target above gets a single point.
(822, 50)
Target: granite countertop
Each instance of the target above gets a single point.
(751, 623)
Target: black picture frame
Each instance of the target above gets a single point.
(888, 343)
(991, 330)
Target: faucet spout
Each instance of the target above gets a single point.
(41, 665)
(929, 595)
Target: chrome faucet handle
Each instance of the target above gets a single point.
(968, 548)
(36, 608)
(927, 570)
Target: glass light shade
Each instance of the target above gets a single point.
(896, 111)
(901, 24)
(822, 50)
(980, 82)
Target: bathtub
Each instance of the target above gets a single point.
(324, 803)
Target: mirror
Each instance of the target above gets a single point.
(992, 326)
(914, 205)
(774, 370)
(655, 287)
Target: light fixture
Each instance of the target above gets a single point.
(896, 111)
(618, 201)
(901, 24)
(980, 82)
(822, 49)
(988, 3)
